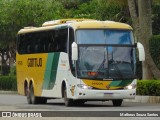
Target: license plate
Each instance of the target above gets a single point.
(108, 94)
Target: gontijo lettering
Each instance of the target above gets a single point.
(34, 62)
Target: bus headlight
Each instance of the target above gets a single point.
(131, 86)
(82, 86)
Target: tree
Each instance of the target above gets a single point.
(156, 17)
(16, 14)
(142, 24)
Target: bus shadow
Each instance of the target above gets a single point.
(86, 105)
(57, 104)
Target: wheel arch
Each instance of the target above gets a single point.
(31, 82)
(26, 86)
(63, 85)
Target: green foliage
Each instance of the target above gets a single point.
(32, 12)
(12, 71)
(155, 49)
(95, 9)
(148, 87)
(156, 18)
(8, 83)
(107, 11)
(16, 14)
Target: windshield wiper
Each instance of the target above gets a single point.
(100, 67)
(112, 62)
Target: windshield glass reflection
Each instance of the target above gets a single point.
(102, 62)
(105, 61)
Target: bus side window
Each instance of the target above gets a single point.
(62, 40)
(50, 47)
(65, 38)
(38, 46)
(29, 49)
(44, 43)
(56, 42)
(22, 44)
(44, 47)
(29, 42)
(49, 40)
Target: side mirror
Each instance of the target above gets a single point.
(74, 51)
(141, 52)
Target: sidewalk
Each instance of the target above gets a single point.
(145, 99)
(8, 92)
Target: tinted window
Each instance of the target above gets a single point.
(104, 36)
(43, 42)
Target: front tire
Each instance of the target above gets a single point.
(42, 100)
(117, 103)
(79, 102)
(68, 102)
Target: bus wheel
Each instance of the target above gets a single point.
(31, 98)
(28, 96)
(117, 102)
(79, 102)
(42, 100)
(68, 102)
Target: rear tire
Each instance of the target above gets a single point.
(31, 99)
(30, 96)
(117, 103)
(27, 92)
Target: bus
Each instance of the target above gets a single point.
(77, 60)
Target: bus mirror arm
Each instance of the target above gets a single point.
(141, 52)
(74, 51)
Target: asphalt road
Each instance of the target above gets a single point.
(18, 102)
(15, 102)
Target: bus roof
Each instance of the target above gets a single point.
(62, 21)
(76, 24)
(101, 24)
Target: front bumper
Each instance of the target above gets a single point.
(105, 94)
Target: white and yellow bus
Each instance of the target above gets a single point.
(79, 60)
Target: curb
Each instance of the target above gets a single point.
(145, 99)
(8, 92)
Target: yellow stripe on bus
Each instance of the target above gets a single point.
(101, 84)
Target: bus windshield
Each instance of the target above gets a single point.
(104, 37)
(101, 58)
